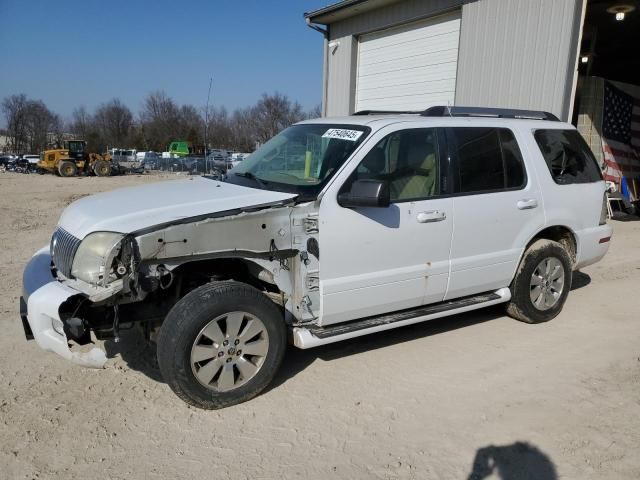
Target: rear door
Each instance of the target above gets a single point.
(497, 207)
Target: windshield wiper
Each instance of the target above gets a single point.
(251, 176)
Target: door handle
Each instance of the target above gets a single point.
(527, 203)
(431, 216)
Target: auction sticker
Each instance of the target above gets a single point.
(343, 134)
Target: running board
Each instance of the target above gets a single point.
(314, 336)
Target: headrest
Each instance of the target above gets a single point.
(420, 154)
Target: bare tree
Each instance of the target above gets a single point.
(40, 122)
(81, 122)
(14, 109)
(32, 126)
(114, 121)
(159, 118)
(315, 112)
(273, 113)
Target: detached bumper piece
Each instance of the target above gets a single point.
(42, 298)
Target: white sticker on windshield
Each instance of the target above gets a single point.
(343, 134)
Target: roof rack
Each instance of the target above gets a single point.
(442, 111)
(389, 112)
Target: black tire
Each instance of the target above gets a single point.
(521, 307)
(188, 318)
(101, 168)
(67, 169)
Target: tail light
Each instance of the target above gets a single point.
(603, 211)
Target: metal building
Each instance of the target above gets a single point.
(578, 59)
(411, 54)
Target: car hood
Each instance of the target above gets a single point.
(130, 209)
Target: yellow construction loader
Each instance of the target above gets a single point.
(73, 160)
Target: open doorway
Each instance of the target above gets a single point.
(607, 102)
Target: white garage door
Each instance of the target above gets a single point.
(411, 67)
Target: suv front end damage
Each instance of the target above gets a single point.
(110, 280)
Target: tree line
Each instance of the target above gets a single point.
(32, 127)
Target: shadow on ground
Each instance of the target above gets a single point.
(518, 461)
(579, 280)
(141, 356)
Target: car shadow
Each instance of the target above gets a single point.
(140, 355)
(518, 461)
(579, 280)
(136, 352)
(297, 360)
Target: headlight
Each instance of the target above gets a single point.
(93, 259)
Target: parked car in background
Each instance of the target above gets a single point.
(5, 159)
(333, 229)
(219, 160)
(126, 160)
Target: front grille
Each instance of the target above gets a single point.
(63, 250)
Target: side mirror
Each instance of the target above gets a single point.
(366, 193)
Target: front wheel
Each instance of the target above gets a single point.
(542, 283)
(221, 345)
(101, 168)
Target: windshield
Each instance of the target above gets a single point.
(300, 159)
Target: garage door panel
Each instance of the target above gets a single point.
(415, 89)
(430, 62)
(420, 102)
(409, 32)
(409, 49)
(412, 66)
(393, 79)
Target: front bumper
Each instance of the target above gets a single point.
(42, 296)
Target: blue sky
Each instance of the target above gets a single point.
(71, 52)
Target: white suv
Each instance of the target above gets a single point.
(333, 229)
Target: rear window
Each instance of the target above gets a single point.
(488, 159)
(568, 157)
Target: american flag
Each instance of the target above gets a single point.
(620, 134)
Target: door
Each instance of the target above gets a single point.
(497, 206)
(409, 67)
(378, 260)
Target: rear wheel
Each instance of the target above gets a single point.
(221, 345)
(102, 168)
(67, 169)
(542, 283)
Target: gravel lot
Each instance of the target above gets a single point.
(557, 400)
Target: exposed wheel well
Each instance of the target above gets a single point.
(238, 269)
(563, 236)
(165, 292)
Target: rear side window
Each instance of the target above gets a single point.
(487, 159)
(568, 157)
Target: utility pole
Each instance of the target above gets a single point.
(206, 126)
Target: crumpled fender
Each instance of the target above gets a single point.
(44, 295)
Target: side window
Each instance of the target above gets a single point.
(487, 159)
(568, 156)
(407, 160)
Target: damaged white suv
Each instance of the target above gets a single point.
(335, 228)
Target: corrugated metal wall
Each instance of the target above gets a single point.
(513, 53)
(518, 54)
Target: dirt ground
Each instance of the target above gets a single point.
(474, 396)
